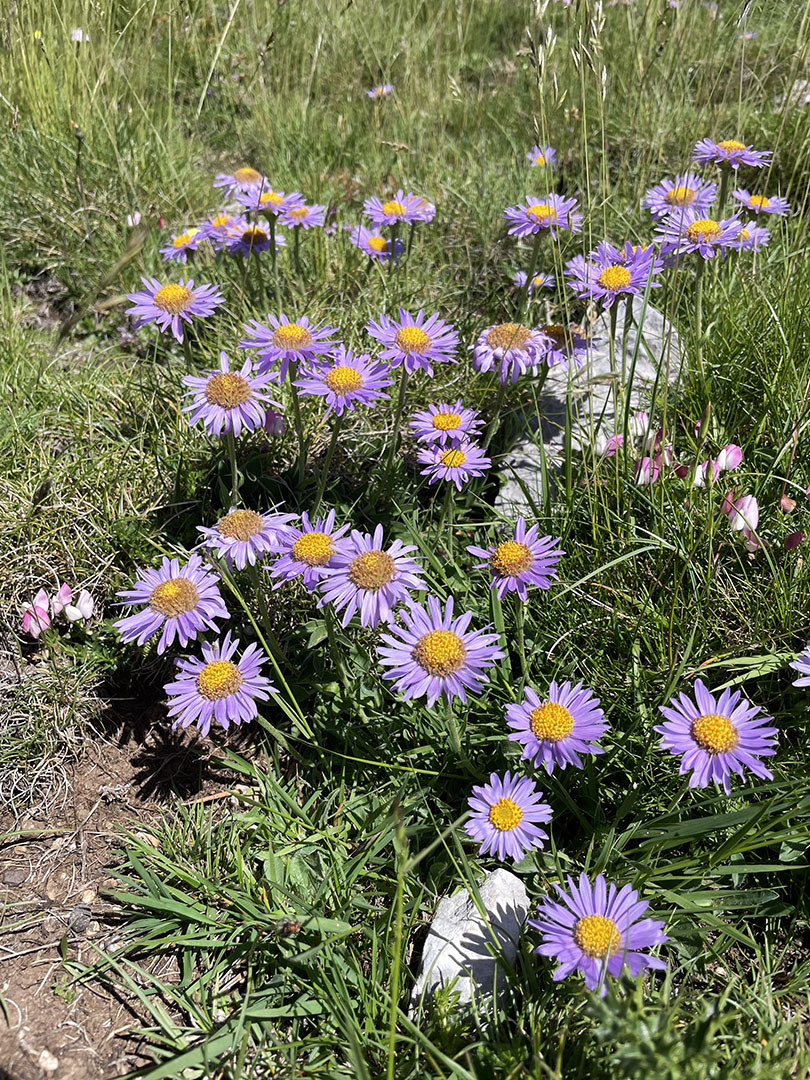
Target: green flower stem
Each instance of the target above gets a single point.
(297, 249)
(273, 263)
(725, 177)
(524, 292)
(453, 731)
(392, 450)
(699, 277)
(298, 423)
(500, 626)
(187, 352)
(230, 442)
(334, 648)
(520, 617)
(269, 634)
(326, 464)
(496, 413)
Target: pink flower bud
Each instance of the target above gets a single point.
(729, 457)
(646, 472)
(793, 540)
(786, 504)
(274, 423)
(61, 600)
(640, 423)
(744, 514)
(82, 609)
(701, 471)
(35, 617)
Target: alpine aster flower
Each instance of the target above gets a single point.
(288, 342)
(556, 731)
(563, 344)
(375, 245)
(539, 281)
(305, 552)
(435, 654)
(399, 208)
(750, 237)
(364, 577)
(262, 199)
(598, 930)
(610, 274)
(228, 401)
(348, 380)
(686, 190)
(181, 245)
(180, 601)
(505, 814)
(729, 152)
(552, 212)
(802, 665)
(243, 537)
(443, 424)
(686, 231)
(251, 240)
(239, 180)
(542, 156)
(220, 228)
(415, 341)
(172, 305)
(456, 463)
(716, 736)
(521, 561)
(300, 215)
(218, 689)
(383, 90)
(510, 348)
(761, 204)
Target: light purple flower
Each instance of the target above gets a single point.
(61, 599)
(685, 232)
(556, 731)
(243, 537)
(552, 212)
(274, 423)
(729, 152)
(173, 304)
(563, 344)
(542, 156)
(383, 90)
(512, 349)
(181, 601)
(181, 245)
(228, 401)
(367, 578)
(301, 215)
(802, 665)
(761, 204)
(730, 457)
(305, 552)
(598, 930)
(539, 281)
(610, 274)
(505, 814)
(347, 380)
(372, 243)
(262, 199)
(687, 190)
(716, 736)
(217, 230)
(287, 341)
(523, 560)
(456, 463)
(399, 208)
(645, 471)
(435, 653)
(36, 616)
(251, 240)
(742, 513)
(239, 180)
(218, 689)
(750, 237)
(415, 341)
(443, 424)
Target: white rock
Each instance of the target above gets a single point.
(471, 947)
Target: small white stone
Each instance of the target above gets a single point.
(47, 1061)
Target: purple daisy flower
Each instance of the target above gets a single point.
(609, 274)
(300, 215)
(415, 341)
(511, 348)
(217, 230)
(443, 424)
(363, 577)
(373, 244)
(239, 180)
(552, 212)
(686, 190)
(563, 344)
(243, 537)
(539, 281)
(598, 930)
(383, 90)
(182, 600)
(556, 731)
(456, 463)
(717, 736)
(306, 551)
(685, 232)
(400, 207)
(524, 560)
(802, 665)
(288, 342)
(761, 204)
(181, 245)
(505, 815)
(173, 304)
(729, 152)
(542, 156)
(751, 237)
(435, 654)
(252, 239)
(218, 689)
(347, 381)
(228, 400)
(262, 199)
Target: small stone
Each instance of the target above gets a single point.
(47, 1061)
(89, 896)
(14, 877)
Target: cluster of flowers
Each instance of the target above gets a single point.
(41, 612)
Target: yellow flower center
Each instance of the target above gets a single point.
(453, 458)
(173, 298)
(539, 160)
(174, 597)
(184, 238)
(760, 201)
(680, 196)
(227, 389)
(221, 220)
(508, 335)
(714, 733)
(744, 234)
(446, 421)
(551, 722)
(254, 236)
(505, 815)
(731, 145)
(558, 334)
(291, 336)
(313, 548)
(440, 652)
(538, 280)
(511, 558)
(298, 213)
(372, 570)
(270, 197)
(597, 936)
(411, 339)
(614, 278)
(393, 208)
(343, 380)
(543, 212)
(704, 229)
(377, 243)
(247, 176)
(219, 679)
(240, 525)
